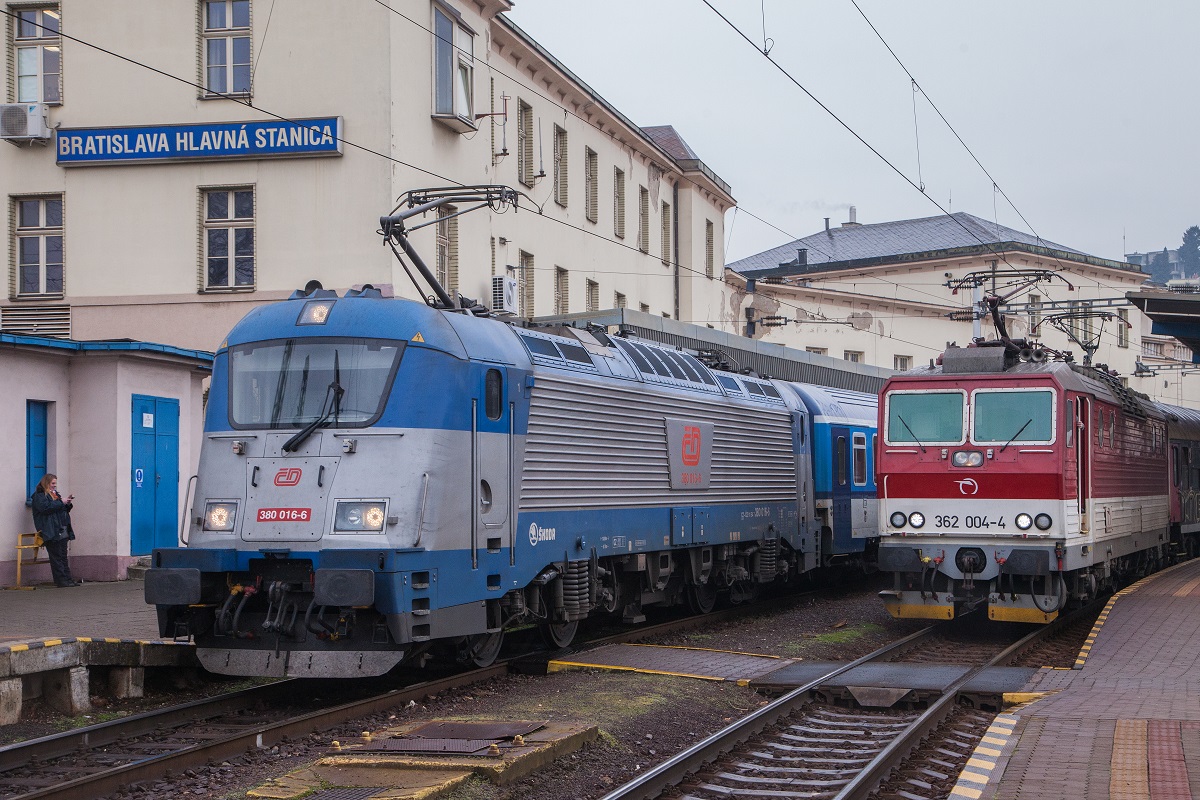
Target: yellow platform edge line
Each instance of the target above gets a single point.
(702, 649)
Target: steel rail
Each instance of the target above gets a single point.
(14, 756)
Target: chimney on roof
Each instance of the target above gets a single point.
(853, 223)
(802, 257)
(827, 224)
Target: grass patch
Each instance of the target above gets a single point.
(846, 634)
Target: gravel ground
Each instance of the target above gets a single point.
(643, 719)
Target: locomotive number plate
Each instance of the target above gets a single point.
(284, 514)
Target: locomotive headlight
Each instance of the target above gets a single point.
(1043, 522)
(898, 519)
(967, 458)
(359, 515)
(1024, 521)
(315, 312)
(916, 519)
(219, 516)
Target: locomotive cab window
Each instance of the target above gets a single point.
(925, 417)
(1008, 416)
(296, 382)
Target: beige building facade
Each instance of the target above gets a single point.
(160, 190)
(895, 294)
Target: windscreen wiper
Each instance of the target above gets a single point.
(334, 392)
(910, 432)
(1015, 435)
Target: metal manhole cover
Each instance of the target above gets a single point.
(476, 730)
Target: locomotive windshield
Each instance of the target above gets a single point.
(291, 383)
(925, 418)
(1005, 416)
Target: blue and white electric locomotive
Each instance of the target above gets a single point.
(379, 476)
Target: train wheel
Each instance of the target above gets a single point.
(481, 649)
(701, 597)
(558, 635)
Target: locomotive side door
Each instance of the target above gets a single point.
(491, 463)
(1083, 463)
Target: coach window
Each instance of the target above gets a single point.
(38, 51)
(841, 460)
(226, 47)
(860, 459)
(453, 70)
(494, 394)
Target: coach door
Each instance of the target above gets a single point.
(841, 523)
(1083, 460)
(492, 436)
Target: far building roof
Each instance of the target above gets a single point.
(853, 246)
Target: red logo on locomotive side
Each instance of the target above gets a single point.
(691, 446)
(288, 476)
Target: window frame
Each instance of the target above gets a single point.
(525, 284)
(591, 192)
(562, 291)
(709, 248)
(453, 96)
(854, 356)
(43, 233)
(229, 34)
(1123, 327)
(665, 230)
(561, 162)
(230, 224)
(41, 44)
(887, 416)
(446, 247)
(902, 363)
(859, 447)
(619, 202)
(643, 219)
(1023, 442)
(525, 142)
(592, 295)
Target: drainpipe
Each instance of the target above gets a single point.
(675, 227)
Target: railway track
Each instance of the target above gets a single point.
(800, 746)
(97, 760)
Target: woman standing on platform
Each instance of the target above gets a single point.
(52, 518)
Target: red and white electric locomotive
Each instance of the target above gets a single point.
(1016, 482)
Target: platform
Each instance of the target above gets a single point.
(1124, 724)
(51, 639)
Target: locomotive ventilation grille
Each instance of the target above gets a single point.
(600, 446)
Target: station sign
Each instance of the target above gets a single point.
(209, 141)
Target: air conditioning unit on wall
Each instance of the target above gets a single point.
(504, 295)
(23, 122)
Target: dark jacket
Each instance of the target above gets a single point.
(52, 517)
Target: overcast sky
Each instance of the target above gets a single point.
(1084, 113)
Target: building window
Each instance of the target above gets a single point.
(1035, 311)
(1122, 327)
(39, 245)
(902, 363)
(447, 248)
(1153, 349)
(561, 291)
(619, 203)
(593, 296)
(38, 55)
(853, 355)
(709, 248)
(525, 284)
(618, 300)
(666, 234)
(817, 351)
(643, 219)
(227, 46)
(229, 238)
(591, 166)
(453, 68)
(644, 308)
(560, 166)
(525, 143)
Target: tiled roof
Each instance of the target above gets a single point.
(885, 240)
(666, 137)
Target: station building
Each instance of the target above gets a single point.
(166, 167)
(894, 294)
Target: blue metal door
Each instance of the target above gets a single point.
(36, 429)
(154, 479)
(842, 535)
